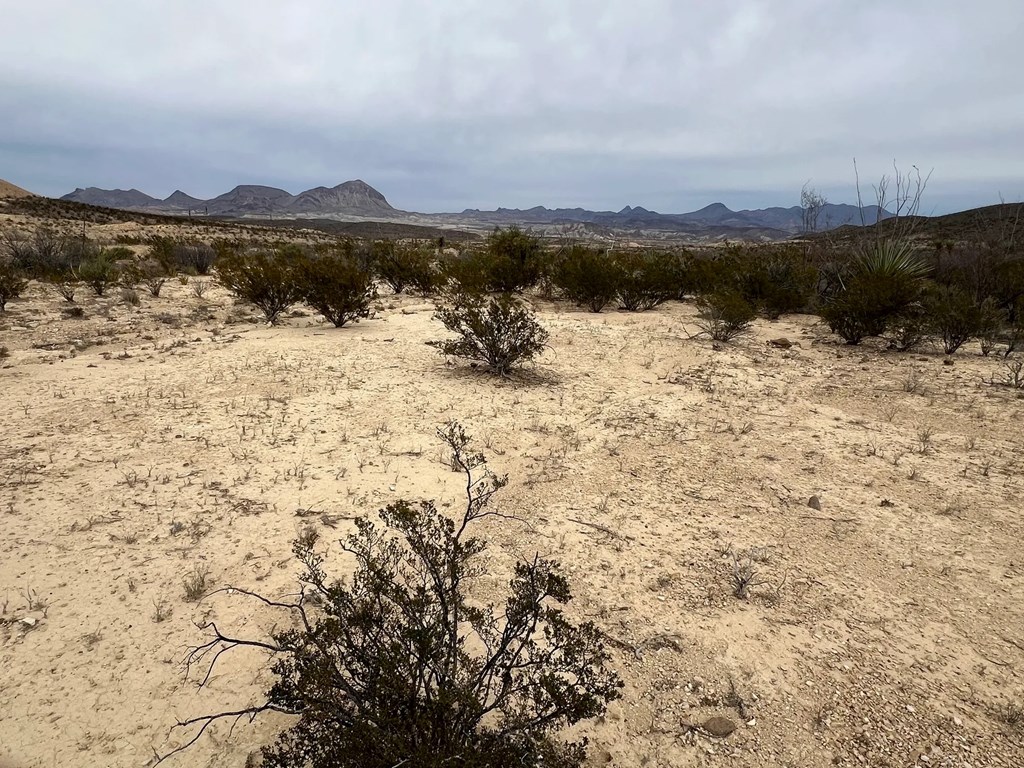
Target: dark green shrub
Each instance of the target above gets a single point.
(268, 279)
(466, 273)
(776, 282)
(645, 280)
(337, 288)
(587, 276)
(12, 284)
(403, 265)
(707, 273)
(909, 328)
(397, 666)
(197, 258)
(1015, 333)
(500, 332)
(1009, 291)
(514, 260)
(954, 316)
(724, 315)
(98, 272)
(174, 255)
(992, 320)
(53, 253)
(868, 303)
(161, 250)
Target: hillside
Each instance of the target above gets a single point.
(8, 191)
(991, 224)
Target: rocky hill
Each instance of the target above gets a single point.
(349, 199)
(129, 199)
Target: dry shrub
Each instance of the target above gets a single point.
(500, 332)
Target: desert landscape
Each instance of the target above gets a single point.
(798, 552)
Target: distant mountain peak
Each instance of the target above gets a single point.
(352, 198)
(715, 208)
(179, 199)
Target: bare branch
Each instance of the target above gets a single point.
(208, 720)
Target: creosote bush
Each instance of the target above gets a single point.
(176, 255)
(724, 315)
(587, 276)
(514, 260)
(403, 266)
(268, 279)
(775, 281)
(11, 283)
(868, 304)
(500, 331)
(337, 287)
(954, 316)
(646, 279)
(397, 666)
(909, 329)
(195, 258)
(98, 272)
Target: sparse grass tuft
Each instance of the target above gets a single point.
(195, 583)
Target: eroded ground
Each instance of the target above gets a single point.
(140, 444)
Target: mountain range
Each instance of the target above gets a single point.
(357, 199)
(777, 220)
(352, 198)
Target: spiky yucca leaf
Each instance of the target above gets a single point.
(892, 258)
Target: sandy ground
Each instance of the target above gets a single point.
(139, 444)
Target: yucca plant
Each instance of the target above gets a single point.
(892, 258)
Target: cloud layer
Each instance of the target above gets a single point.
(464, 103)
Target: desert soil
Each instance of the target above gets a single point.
(885, 626)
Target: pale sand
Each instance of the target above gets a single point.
(881, 630)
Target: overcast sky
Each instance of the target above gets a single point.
(451, 104)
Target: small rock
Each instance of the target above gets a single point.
(814, 503)
(782, 343)
(718, 726)
(30, 621)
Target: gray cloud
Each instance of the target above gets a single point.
(454, 104)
